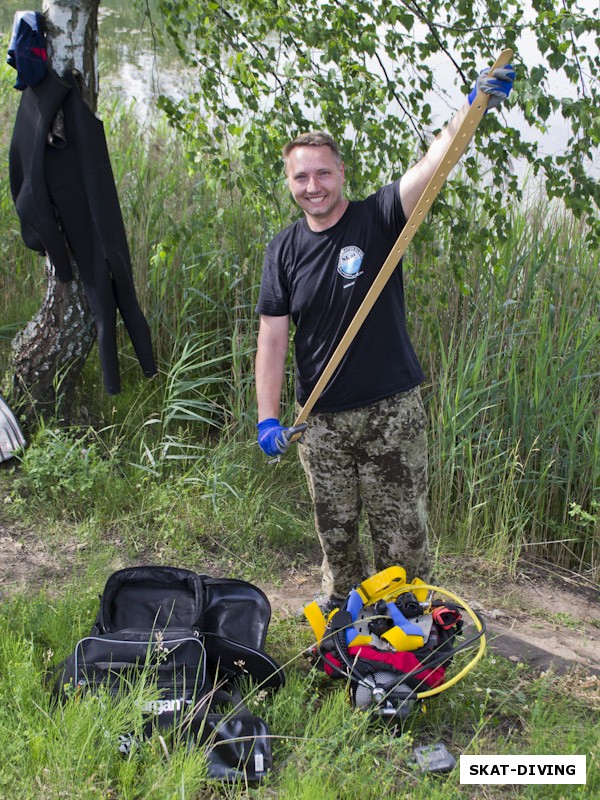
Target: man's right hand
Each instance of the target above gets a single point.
(274, 439)
(271, 437)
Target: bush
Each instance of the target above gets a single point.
(60, 466)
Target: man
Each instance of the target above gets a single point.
(365, 448)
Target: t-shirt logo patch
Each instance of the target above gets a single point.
(349, 261)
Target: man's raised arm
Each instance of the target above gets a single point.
(415, 180)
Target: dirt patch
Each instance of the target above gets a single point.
(540, 617)
(25, 560)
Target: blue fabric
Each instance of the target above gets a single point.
(27, 49)
(353, 606)
(409, 628)
(271, 442)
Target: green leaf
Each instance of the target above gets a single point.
(379, 76)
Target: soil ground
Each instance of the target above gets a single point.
(542, 617)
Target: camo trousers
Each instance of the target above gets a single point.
(370, 460)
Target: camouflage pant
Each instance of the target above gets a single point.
(372, 459)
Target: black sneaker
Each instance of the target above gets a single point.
(326, 602)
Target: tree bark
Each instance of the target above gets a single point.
(49, 353)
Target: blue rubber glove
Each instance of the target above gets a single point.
(270, 437)
(497, 86)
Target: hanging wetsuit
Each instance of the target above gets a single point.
(40, 227)
(64, 189)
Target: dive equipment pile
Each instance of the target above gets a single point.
(393, 641)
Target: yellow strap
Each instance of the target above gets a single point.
(403, 641)
(316, 619)
(456, 148)
(361, 640)
(381, 584)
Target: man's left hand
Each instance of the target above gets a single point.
(497, 86)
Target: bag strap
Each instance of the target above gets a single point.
(237, 660)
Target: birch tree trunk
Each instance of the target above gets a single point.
(49, 353)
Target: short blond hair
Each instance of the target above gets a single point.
(312, 139)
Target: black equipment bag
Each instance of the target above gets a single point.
(174, 663)
(192, 634)
(151, 597)
(237, 743)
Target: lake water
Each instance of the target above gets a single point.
(130, 67)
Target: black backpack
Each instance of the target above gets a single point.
(197, 636)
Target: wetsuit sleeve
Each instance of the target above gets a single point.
(273, 298)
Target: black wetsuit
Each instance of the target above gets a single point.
(64, 189)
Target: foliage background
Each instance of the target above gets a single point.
(506, 324)
(376, 75)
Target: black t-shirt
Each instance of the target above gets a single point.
(320, 279)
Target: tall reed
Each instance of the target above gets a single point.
(511, 349)
(514, 397)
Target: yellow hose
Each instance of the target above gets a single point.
(480, 651)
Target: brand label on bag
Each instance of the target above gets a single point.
(259, 762)
(159, 707)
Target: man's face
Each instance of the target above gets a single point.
(315, 177)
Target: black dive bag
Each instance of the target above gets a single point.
(194, 637)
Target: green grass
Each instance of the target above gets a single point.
(322, 748)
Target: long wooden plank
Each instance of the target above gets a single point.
(455, 150)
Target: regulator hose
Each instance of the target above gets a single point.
(343, 620)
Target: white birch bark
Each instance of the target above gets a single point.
(49, 353)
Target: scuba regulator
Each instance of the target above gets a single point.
(393, 641)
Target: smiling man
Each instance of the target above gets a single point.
(315, 176)
(365, 448)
